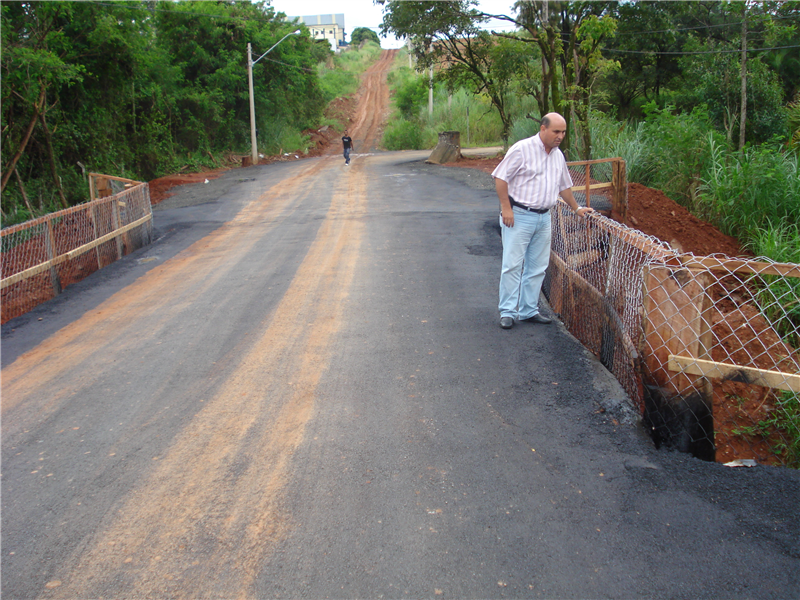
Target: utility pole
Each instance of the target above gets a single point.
(253, 142)
(743, 118)
(250, 64)
(430, 93)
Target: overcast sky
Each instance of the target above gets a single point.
(364, 13)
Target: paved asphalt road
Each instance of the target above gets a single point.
(300, 390)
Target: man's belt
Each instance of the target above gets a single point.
(539, 211)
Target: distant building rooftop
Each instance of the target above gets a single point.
(328, 27)
(321, 20)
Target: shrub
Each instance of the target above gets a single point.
(750, 191)
(403, 135)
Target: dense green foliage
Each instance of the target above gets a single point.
(139, 89)
(618, 56)
(340, 76)
(362, 34)
(412, 127)
(671, 70)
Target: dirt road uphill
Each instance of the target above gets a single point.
(373, 105)
(300, 390)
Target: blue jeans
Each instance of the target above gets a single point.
(347, 155)
(526, 254)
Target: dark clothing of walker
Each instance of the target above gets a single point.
(347, 142)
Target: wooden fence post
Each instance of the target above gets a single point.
(620, 187)
(51, 255)
(115, 224)
(93, 216)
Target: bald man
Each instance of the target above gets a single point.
(528, 182)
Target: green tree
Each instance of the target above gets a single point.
(717, 84)
(648, 33)
(137, 88)
(583, 69)
(447, 34)
(361, 34)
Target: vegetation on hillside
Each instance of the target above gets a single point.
(362, 34)
(140, 89)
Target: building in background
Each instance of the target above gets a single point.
(325, 27)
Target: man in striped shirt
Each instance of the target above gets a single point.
(528, 182)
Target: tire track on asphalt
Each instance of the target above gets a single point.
(211, 510)
(115, 325)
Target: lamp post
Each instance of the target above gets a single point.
(250, 63)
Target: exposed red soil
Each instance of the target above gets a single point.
(160, 188)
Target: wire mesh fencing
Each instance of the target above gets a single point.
(601, 184)
(706, 347)
(45, 255)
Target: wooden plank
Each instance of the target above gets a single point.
(639, 241)
(587, 195)
(594, 186)
(705, 336)
(93, 216)
(751, 375)
(596, 161)
(731, 265)
(123, 179)
(576, 281)
(41, 267)
(49, 241)
(581, 259)
(620, 194)
(115, 223)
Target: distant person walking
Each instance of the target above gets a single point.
(347, 142)
(528, 182)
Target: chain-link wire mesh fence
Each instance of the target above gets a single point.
(601, 184)
(706, 347)
(721, 360)
(43, 256)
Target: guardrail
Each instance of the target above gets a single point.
(42, 256)
(706, 347)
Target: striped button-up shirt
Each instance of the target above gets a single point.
(534, 177)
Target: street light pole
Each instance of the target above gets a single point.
(253, 142)
(250, 64)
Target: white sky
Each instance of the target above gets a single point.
(364, 13)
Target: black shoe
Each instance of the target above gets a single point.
(506, 322)
(538, 318)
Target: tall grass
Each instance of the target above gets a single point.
(471, 115)
(628, 141)
(278, 137)
(343, 77)
(753, 192)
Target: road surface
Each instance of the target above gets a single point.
(301, 390)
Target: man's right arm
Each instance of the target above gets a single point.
(505, 203)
